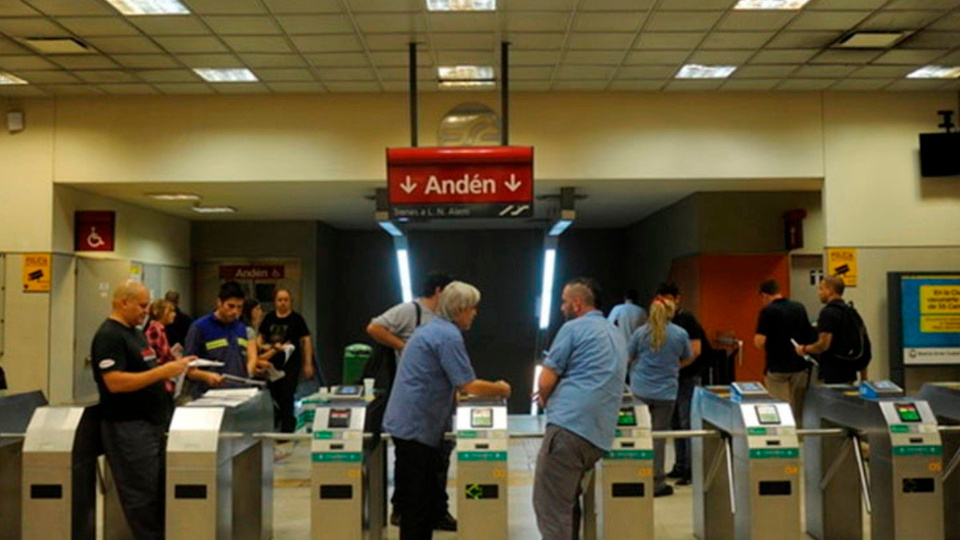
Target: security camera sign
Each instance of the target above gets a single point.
(36, 272)
(842, 263)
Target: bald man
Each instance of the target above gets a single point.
(135, 408)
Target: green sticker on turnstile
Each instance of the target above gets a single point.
(900, 428)
(774, 453)
(922, 450)
(467, 434)
(325, 457)
(322, 434)
(482, 456)
(757, 431)
(628, 454)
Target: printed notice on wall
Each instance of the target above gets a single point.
(36, 272)
(931, 319)
(842, 263)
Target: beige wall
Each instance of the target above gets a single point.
(26, 175)
(26, 332)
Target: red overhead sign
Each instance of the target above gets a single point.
(468, 182)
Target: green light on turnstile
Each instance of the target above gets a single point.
(628, 454)
(322, 435)
(473, 491)
(900, 428)
(322, 457)
(923, 450)
(476, 492)
(756, 431)
(774, 453)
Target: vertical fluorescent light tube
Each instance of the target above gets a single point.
(549, 260)
(536, 388)
(403, 262)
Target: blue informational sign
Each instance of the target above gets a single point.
(930, 307)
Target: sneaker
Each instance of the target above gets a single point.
(663, 491)
(395, 519)
(446, 523)
(676, 472)
(685, 481)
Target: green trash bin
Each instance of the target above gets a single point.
(355, 358)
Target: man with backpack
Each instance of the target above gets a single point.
(391, 330)
(842, 343)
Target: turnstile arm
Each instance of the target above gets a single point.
(864, 483)
(836, 464)
(952, 466)
(733, 495)
(12, 435)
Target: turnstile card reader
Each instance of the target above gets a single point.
(747, 482)
(482, 443)
(626, 476)
(15, 413)
(904, 489)
(944, 400)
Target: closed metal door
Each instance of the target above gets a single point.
(96, 279)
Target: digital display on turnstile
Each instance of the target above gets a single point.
(339, 418)
(767, 414)
(481, 418)
(348, 390)
(627, 416)
(907, 412)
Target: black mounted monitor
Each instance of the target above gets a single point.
(940, 154)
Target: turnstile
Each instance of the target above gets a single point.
(219, 478)
(746, 483)
(60, 453)
(626, 476)
(903, 487)
(15, 413)
(482, 443)
(347, 478)
(944, 400)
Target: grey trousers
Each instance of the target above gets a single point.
(564, 459)
(661, 413)
(135, 453)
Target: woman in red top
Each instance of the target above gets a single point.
(162, 313)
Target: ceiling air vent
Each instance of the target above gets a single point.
(870, 40)
(57, 45)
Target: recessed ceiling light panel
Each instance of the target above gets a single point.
(870, 40)
(466, 85)
(149, 7)
(462, 5)
(226, 75)
(770, 4)
(465, 73)
(935, 72)
(697, 71)
(174, 196)
(214, 209)
(7, 78)
(57, 45)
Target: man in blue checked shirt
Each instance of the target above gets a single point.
(580, 386)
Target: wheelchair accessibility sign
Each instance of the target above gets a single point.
(95, 231)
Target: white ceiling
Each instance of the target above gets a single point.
(557, 45)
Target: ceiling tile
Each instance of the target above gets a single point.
(539, 5)
(916, 85)
(806, 84)
(912, 56)
(275, 75)
(226, 7)
(537, 21)
(169, 76)
(539, 41)
(530, 86)
(343, 86)
(803, 40)
(763, 72)
(785, 56)
(84, 62)
(932, 40)
(48, 77)
(402, 59)
(124, 45)
(827, 20)
(923, 4)
(384, 5)
(843, 56)
(950, 59)
(72, 7)
(534, 58)
(338, 60)
(72, 89)
(462, 22)
(636, 85)
(15, 8)
(8, 46)
(694, 85)
(393, 86)
(145, 61)
(30, 27)
(656, 57)
(316, 24)
(385, 23)
(401, 74)
(668, 40)
(823, 72)
(127, 89)
(614, 5)
(194, 88)
(750, 85)
(531, 73)
(755, 20)
(272, 60)
(620, 21)
(947, 22)
(736, 40)
(696, 5)
(677, 21)
(585, 72)
(601, 41)
(107, 76)
(725, 58)
(258, 44)
(303, 6)
(192, 44)
(210, 61)
(593, 58)
(327, 43)
(242, 25)
(240, 88)
(396, 42)
(98, 26)
(15, 63)
(581, 86)
(646, 72)
(882, 72)
(844, 4)
(182, 25)
(463, 41)
(860, 84)
(465, 58)
(21, 91)
(898, 20)
(346, 74)
(296, 87)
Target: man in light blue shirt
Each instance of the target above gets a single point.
(581, 385)
(628, 316)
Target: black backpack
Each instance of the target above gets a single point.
(382, 368)
(854, 347)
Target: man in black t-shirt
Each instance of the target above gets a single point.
(830, 331)
(135, 409)
(786, 375)
(280, 328)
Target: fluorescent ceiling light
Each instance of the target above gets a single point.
(546, 293)
(7, 78)
(391, 228)
(770, 4)
(461, 5)
(226, 75)
(467, 84)
(936, 72)
(149, 7)
(696, 71)
(870, 40)
(174, 196)
(214, 209)
(465, 73)
(403, 263)
(560, 226)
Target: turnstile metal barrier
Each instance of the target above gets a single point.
(902, 490)
(944, 400)
(745, 483)
(219, 477)
(482, 450)
(15, 413)
(626, 476)
(347, 498)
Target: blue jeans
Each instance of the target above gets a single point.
(681, 420)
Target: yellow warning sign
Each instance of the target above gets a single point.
(842, 262)
(36, 272)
